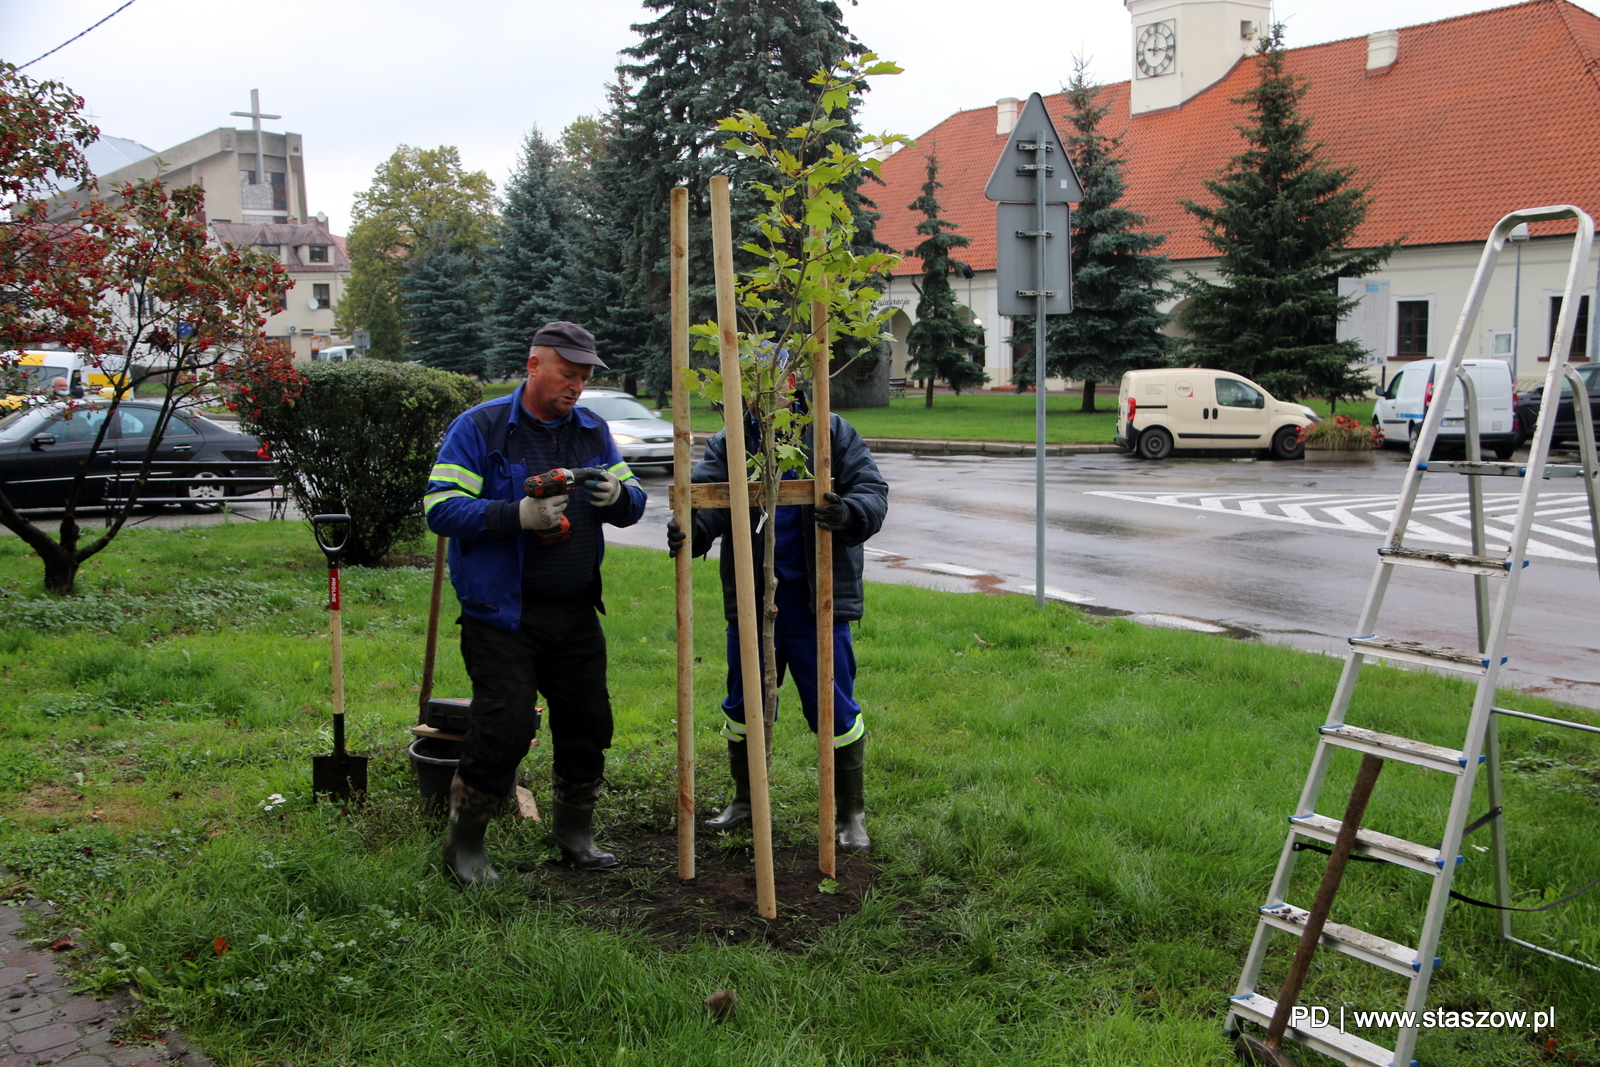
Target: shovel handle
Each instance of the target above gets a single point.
(324, 527)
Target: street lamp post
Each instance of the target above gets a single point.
(1519, 236)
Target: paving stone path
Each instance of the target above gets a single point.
(43, 1022)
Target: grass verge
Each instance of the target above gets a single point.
(1077, 818)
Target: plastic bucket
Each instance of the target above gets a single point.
(434, 761)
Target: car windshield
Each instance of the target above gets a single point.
(616, 408)
(21, 425)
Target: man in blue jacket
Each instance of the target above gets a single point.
(854, 512)
(527, 572)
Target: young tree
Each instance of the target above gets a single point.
(444, 327)
(416, 194)
(942, 343)
(1118, 277)
(696, 62)
(536, 232)
(132, 274)
(1282, 223)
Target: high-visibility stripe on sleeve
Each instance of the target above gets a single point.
(431, 499)
(450, 472)
(622, 470)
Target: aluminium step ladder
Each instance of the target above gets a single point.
(1495, 579)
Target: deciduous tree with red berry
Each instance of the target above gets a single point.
(129, 277)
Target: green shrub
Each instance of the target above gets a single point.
(358, 438)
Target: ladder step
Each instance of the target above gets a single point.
(1370, 948)
(1345, 1048)
(1449, 561)
(1452, 659)
(1434, 757)
(1371, 843)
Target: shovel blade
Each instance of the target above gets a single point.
(339, 775)
(1256, 1051)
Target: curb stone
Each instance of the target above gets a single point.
(43, 1023)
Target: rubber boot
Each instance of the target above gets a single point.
(737, 813)
(850, 797)
(572, 823)
(470, 811)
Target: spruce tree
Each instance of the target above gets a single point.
(442, 320)
(1281, 224)
(1118, 277)
(941, 343)
(696, 63)
(536, 230)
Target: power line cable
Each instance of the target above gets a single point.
(64, 44)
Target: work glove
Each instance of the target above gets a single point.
(675, 538)
(541, 513)
(602, 491)
(833, 515)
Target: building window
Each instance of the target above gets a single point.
(318, 254)
(269, 250)
(1411, 340)
(1500, 342)
(1578, 351)
(319, 293)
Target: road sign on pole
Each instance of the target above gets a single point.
(1034, 181)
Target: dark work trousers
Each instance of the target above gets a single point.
(559, 651)
(795, 640)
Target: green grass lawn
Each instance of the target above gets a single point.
(1076, 817)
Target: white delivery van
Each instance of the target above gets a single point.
(1404, 402)
(1162, 410)
(30, 376)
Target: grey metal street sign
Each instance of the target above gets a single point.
(1016, 259)
(1014, 181)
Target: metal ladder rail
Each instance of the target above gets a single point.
(1498, 621)
(1589, 471)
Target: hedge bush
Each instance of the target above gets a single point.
(359, 438)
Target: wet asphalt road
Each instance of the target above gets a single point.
(1280, 551)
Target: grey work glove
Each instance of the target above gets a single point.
(833, 515)
(601, 492)
(539, 513)
(675, 538)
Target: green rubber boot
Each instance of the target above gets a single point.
(850, 797)
(572, 823)
(737, 813)
(470, 811)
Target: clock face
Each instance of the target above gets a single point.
(1158, 48)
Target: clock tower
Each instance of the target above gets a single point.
(1182, 46)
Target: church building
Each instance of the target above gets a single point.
(1453, 124)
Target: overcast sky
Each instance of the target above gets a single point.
(359, 77)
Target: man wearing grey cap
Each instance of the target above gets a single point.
(521, 488)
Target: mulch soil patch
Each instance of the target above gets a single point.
(646, 894)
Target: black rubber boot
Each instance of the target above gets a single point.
(737, 813)
(572, 823)
(470, 811)
(850, 797)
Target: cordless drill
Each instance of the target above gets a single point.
(555, 483)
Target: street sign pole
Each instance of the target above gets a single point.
(1041, 145)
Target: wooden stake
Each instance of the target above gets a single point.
(682, 445)
(743, 562)
(822, 456)
(431, 649)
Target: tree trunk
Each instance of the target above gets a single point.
(1088, 395)
(928, 403)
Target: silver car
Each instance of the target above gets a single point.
(644, 440)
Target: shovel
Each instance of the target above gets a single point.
(340, 774)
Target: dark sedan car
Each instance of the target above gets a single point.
(1566, 423)
(42, 447)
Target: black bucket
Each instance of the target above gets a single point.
(434, 760)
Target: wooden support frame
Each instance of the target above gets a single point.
(822, 484)
(682, 445)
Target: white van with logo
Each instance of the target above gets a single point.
(1159, 411)
(1405, 400)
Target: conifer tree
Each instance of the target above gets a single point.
(1117, 275)
(697, 62)
(442, 318)
(536, 231)
(941, 343)
(1282, 223)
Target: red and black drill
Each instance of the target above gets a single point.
(555, 483)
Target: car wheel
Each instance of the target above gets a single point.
(1377, 427)
(1503, 452)
(205, 493)
(1412, 434)
(1155, 443)
(1286, 443)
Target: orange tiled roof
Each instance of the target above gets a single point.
(1480, 115)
